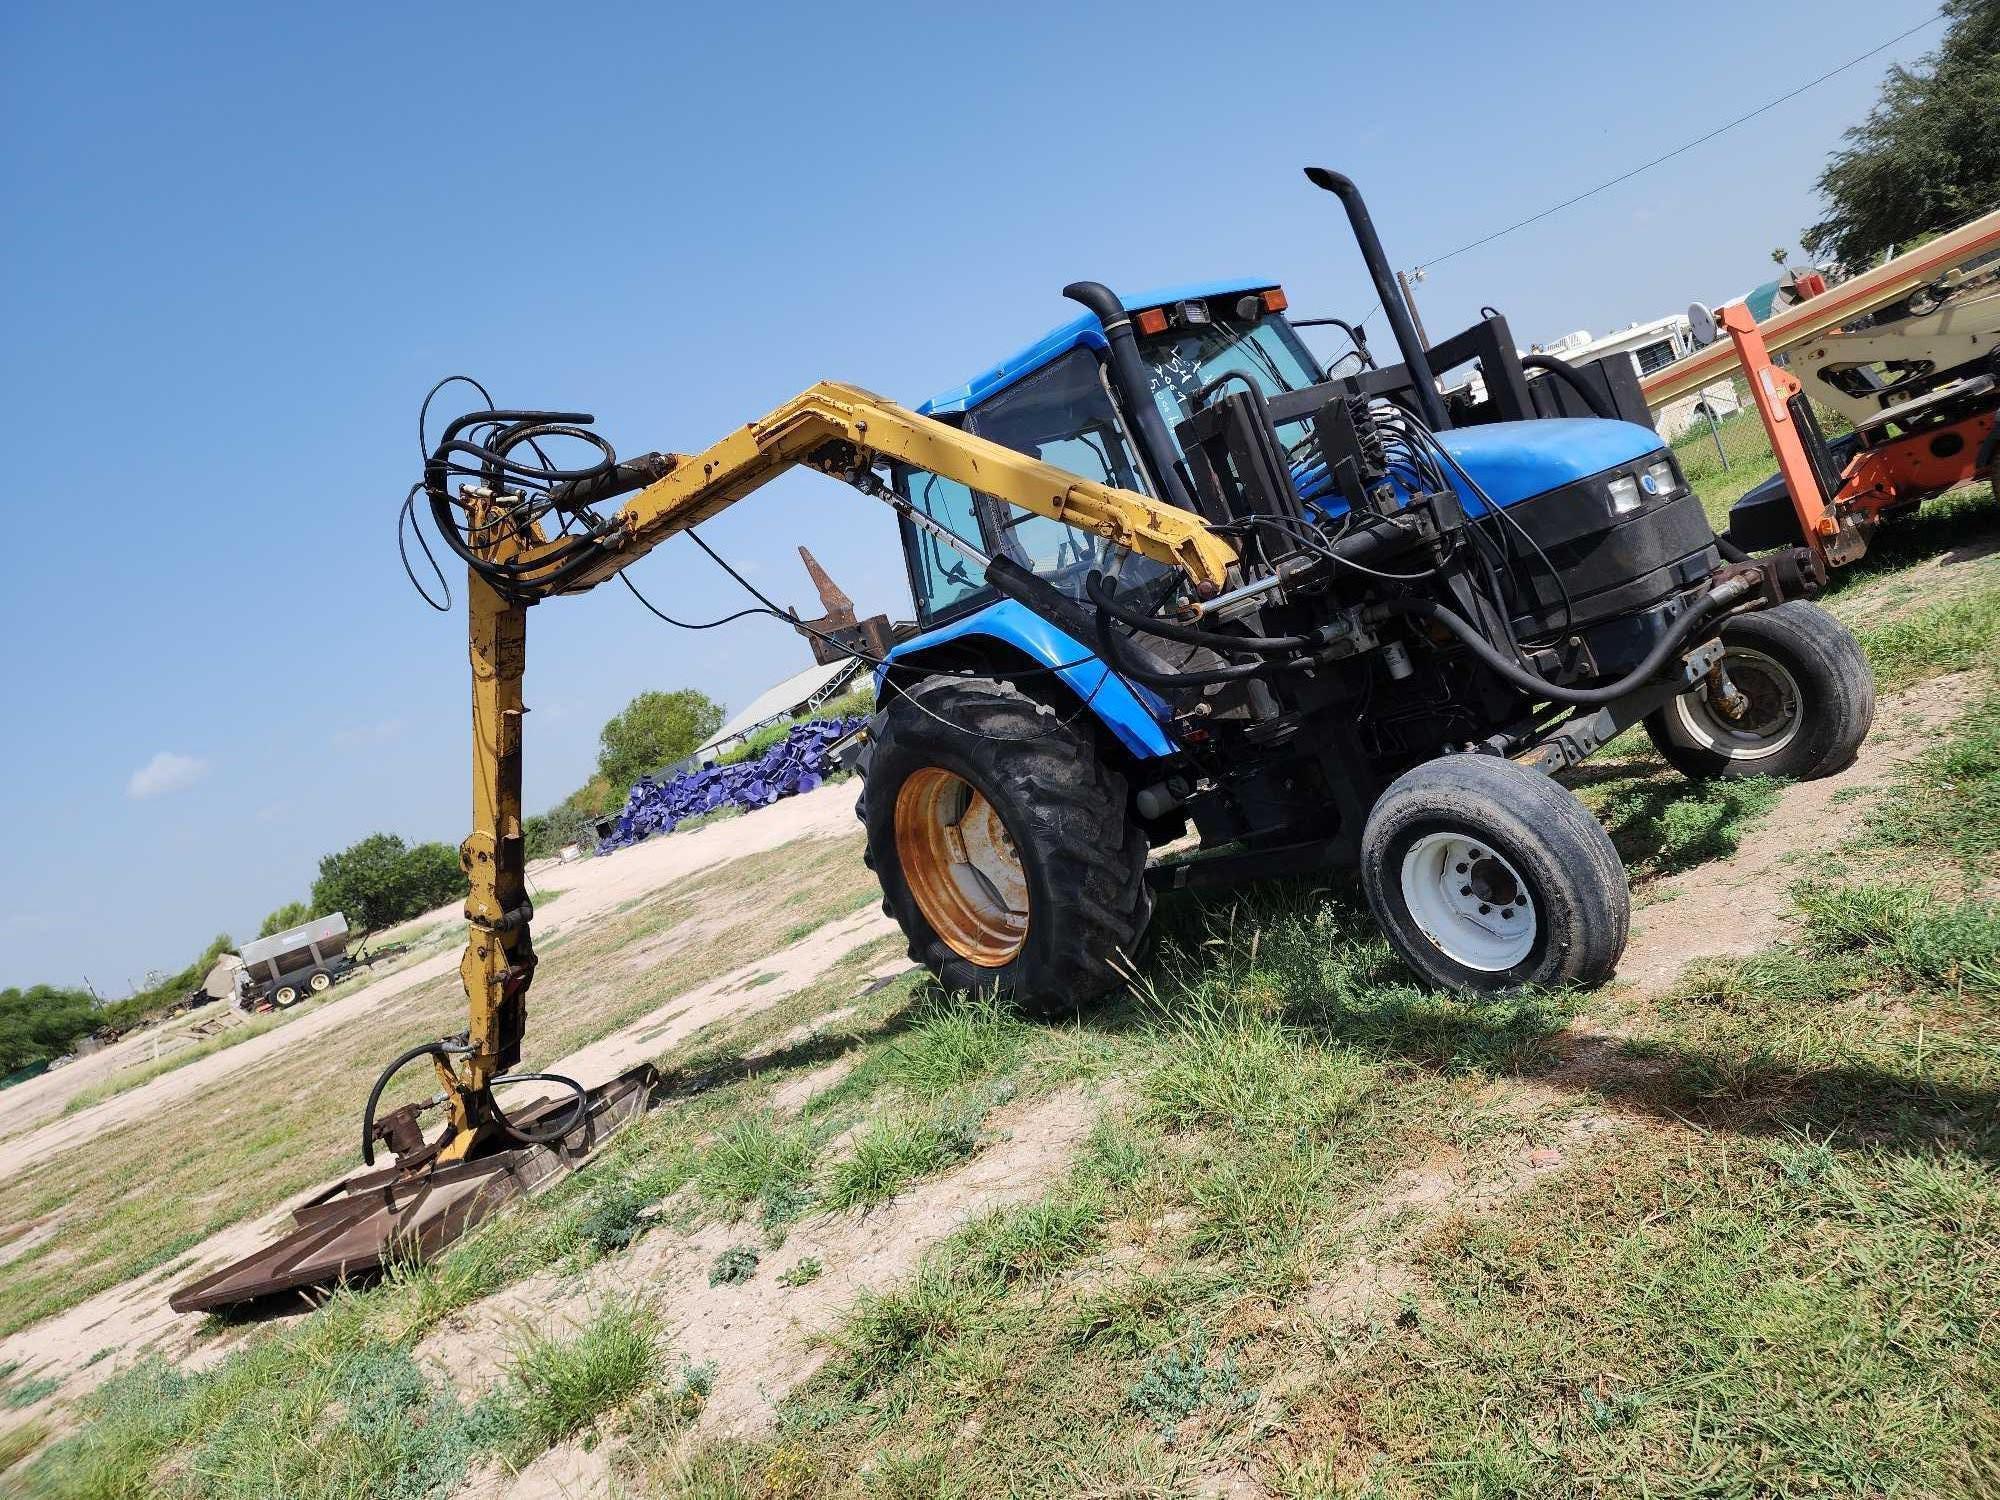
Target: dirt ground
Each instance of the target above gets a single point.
(765, 1348)
(31, 1113)
(1733, 905)
(133, 1318)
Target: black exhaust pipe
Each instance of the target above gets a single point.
(1400, 323)
(1128, 373)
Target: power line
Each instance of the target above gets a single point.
(1699, 140)
(1680, 150)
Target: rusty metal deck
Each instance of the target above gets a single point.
(356, 1228)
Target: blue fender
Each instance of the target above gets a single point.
(1129, 711)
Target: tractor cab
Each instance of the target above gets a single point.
(1228, 415)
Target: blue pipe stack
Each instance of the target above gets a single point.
(797, 763)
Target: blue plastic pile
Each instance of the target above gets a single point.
(797, 763)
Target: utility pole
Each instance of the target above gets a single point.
(1410, 300)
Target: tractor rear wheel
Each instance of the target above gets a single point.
(1487, 877)
(1004, 844)
(1808, 701)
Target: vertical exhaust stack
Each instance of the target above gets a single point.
(1415, 359)
(1128, 373)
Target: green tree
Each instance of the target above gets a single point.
(655, 730)
(291, 914)
(1927, 158)
(42, 1022)
(379, 881)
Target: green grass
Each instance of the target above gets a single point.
(1771, 1272)
(759, 1160)
(16, 1443)
(559, 1386)
(141, 1073)
(133, 1200)
(1946, 803)
(891, 1153)
(1954, 636)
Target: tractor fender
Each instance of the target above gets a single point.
(1008, 639)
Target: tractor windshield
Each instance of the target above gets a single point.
(1064, 416)
(1183, 360)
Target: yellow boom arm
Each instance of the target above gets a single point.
(865, 427)
(839, 429)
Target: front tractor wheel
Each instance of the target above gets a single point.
(1004, 845)
(1799, 701)
(1488, 877)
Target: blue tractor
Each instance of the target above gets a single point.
(1440, 602)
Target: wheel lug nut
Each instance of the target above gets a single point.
(1465, 890)
(1506, 913)
(1461, 867)
(1484, 908)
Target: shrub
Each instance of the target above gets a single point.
(380, 880)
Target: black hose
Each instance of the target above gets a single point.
(577, 1115)
(1597, 697)
(1189, 635)
(422, 1049)
(1570, 376)
(1110, 649)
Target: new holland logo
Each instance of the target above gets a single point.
(1649, 484)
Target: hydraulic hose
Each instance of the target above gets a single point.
(1569, 375)
(422, 1049)
(1109, 648)
(1676, 634)
(1189, 635)
(579, 1112)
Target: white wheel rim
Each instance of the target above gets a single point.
(1769, 724)
(1469, 901)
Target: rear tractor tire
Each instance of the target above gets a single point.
(1489, 877)
(1005, 846)
(1808, 701)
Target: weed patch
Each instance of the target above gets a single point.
(891, 1153)
(559, 1386)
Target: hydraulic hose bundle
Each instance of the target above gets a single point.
(507, 453)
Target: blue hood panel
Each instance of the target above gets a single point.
(1514, 461)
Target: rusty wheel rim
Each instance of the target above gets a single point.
(961, 866)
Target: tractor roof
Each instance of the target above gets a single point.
(1083, 330)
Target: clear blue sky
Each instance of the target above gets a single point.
(240, 241)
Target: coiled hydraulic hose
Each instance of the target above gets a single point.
(444, 1051)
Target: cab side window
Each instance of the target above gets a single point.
(939, 577)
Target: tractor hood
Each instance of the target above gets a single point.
(1515, 461)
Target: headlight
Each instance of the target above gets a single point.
(1660, 481)
(1625, 497)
